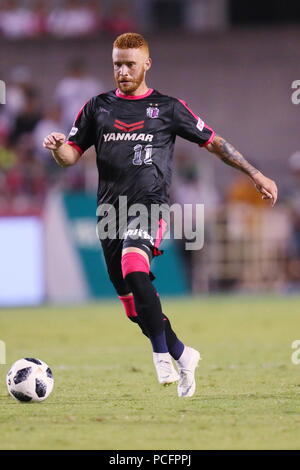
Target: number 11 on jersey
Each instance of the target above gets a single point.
(138, 151)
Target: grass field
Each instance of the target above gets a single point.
(106, 395)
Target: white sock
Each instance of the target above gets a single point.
(161, 356)
(184, 357)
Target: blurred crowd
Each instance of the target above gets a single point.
(65, 18)
(248, 246)
(27, 170)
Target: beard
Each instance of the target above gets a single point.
(131, 84)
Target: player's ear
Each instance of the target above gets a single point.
(148, 63)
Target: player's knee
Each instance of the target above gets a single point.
(134, 262)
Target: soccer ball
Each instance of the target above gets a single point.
(29, 379)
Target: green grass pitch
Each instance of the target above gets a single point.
(106, 395)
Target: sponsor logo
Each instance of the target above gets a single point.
(200, 124)
(138, 233)
(123, 126)
(153, 111)
(126, 136)
(73, 131)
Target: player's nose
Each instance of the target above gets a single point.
(123, 71)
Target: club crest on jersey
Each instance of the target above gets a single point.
(153, 111)
(73, 131)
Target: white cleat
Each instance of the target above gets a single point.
(165, 369)
(186, 365)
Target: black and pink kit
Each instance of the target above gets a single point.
(134, 138)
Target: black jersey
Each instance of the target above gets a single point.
(134, 138)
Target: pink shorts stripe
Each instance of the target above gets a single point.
(162, 227)
(132, 262)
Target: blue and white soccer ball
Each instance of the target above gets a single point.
(29, 379)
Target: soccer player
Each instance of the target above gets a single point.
(133, 128)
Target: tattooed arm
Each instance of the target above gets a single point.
(229, 155)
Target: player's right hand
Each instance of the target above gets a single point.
(266, 187)
(54, 140)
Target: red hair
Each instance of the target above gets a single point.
(130, 41)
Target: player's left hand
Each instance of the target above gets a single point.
(266, 187)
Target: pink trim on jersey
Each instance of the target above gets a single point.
(205, 125)
(80, 112)
(128, 304)
(210, 139)
(132, 262)
(75, 146)
(189, 109)
(162, 227)
(133, 97)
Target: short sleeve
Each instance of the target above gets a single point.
(82, 133)
(191, 127)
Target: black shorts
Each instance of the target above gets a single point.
(144, 232)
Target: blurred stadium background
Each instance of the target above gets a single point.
(233, 62)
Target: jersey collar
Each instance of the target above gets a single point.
(132, 97)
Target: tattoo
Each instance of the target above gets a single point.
(232, 157)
